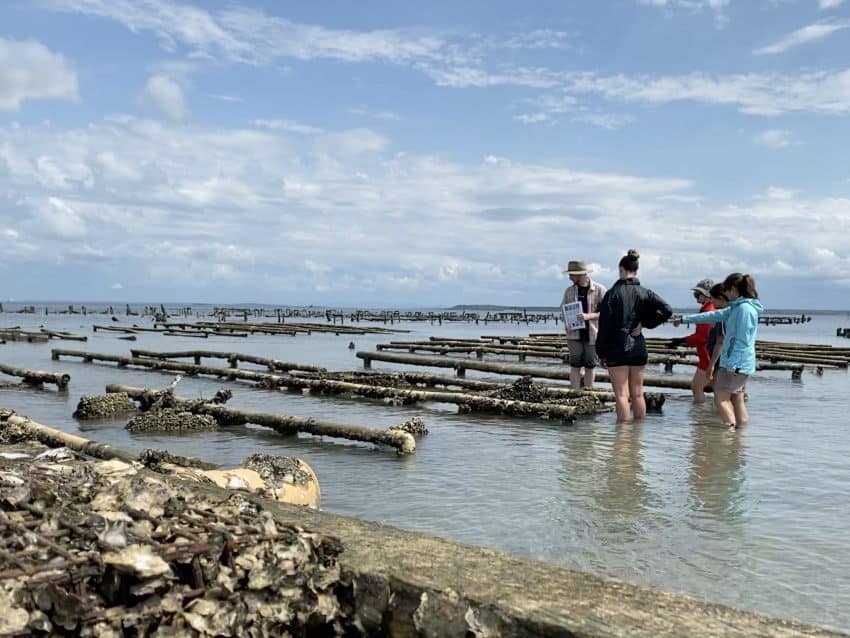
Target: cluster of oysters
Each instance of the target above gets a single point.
(106, 548)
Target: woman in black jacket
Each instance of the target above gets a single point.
(626, 308)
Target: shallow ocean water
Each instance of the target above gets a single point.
(755, 519)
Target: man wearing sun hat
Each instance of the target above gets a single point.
(699, 339)
(582, 342)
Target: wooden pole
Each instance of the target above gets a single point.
(56, 438)
(37, 377)
(232, 357)
(285, 424)
(467, 400)
(462, 365)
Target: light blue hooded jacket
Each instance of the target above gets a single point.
(739, 344)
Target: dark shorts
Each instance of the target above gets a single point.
(582, 354)
(633, 360)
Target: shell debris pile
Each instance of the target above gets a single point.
(100, 548)
(414, 426)
(278, 469)
(170, 420)
(99, 406)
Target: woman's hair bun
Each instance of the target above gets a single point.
(633, 254)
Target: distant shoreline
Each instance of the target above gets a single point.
(11, 307)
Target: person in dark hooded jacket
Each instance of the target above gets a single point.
(626, 308)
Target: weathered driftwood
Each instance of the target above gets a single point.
(16, 334)
(285, 424)
(96, 327)
(300, 487)
(654, 400)
(186, 333)
(523, 352)
(63, 335)
(232, 357)
(462, 365)
(290, 329)
(468, 401)
(56, 438)
(157, 364)
(37, 377)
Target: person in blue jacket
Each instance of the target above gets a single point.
(738, 358)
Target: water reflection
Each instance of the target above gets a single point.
(717, 477)
(627, 491)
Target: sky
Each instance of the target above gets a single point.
(401, 154)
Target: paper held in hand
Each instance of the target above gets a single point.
(571, 312)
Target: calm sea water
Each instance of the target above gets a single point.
(756, 519)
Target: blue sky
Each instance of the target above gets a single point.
(411, 154)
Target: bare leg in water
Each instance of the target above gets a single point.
(620, 382)
(740, 408)
(723, 401)
(636, 391)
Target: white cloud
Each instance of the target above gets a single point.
(810, 33)
(226, 98)
(717, 6)
(538, 39)
(533, 118)
(766, 94)
(290, 126)
(30, 71)
(54, 217)
(824, 5)
(610, 121)
(775, 192)
(116, 286)
(775, 138)
(363, 111)
(167, 96)
(267, 213)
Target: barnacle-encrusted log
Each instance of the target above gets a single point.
(37, 377)
(27, 429)
(232, 357)
(469, 401)
(462, 365)
(282, 423)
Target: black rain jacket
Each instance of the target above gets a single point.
(624, 306)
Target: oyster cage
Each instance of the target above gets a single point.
(97, 548)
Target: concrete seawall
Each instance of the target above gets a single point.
(413, 584)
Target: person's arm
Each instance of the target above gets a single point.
(603, 334)
(713, 316)
(715, 355)
(656, 311)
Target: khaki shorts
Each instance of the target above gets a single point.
(731, 382)
(582, 354)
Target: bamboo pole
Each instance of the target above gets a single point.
(461, 366)
(37, 377)
(285, 424)
(233, 358)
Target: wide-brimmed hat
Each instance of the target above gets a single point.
(704, 286)
(577, 267)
